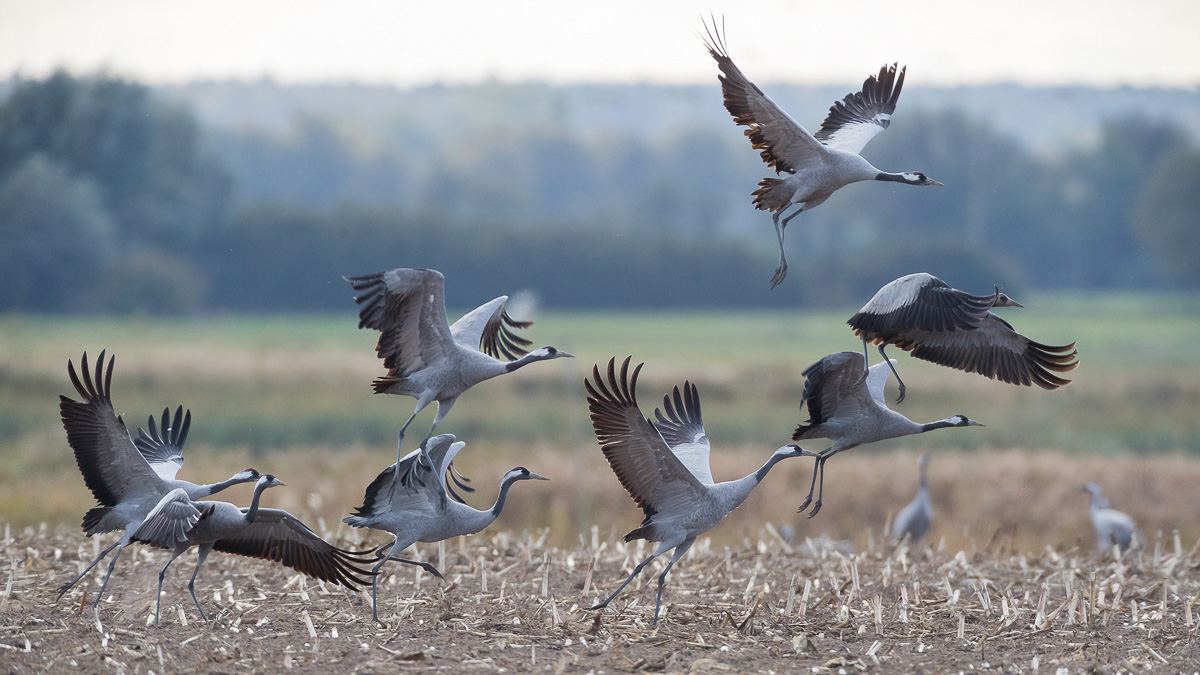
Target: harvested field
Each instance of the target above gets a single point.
(512, 603)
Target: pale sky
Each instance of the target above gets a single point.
(943, 42)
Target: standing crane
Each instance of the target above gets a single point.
(178, 523)
(1113, 528)
(426, 357)
(420, 510)
(846, 404)
(922, 314)
(664, 466)
(914, 519)
(817, 164)
(122, 479)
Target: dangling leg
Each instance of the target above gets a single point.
(820, 487)
(812, 487)
(893, 367)
(662, 548)
(679, 551)
(111, 564)
(162, 573)
(443, 410)
(204, 549)
(62, 590)
(400, 445)
(781, 271)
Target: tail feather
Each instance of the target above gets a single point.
(769, 196)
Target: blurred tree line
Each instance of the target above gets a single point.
(115, 199)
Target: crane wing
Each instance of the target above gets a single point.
(682, 429)
(785, 144)
(835, 387)
(111, 466)
(996, 351)
(877, 377)
(278, 536)
(421, 494)
(165, 453)
(638, 454)
(488, 328)
(408, 308)
(856, 119)
(169, 522)
(922, 302)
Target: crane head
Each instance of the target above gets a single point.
(1003, 300)
(247, 475)
(521, 473)
(963, 421)
(548, 352)
(267, 480)
(918, 178)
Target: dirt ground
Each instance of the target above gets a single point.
(512, 604)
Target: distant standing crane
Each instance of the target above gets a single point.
(664, 466)
(817, 164)
(914, 519)
(426, 357)
(845, 403)
(127, 477)
(1113, 528)
(420, 510)
(922, 314)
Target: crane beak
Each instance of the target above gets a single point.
(534, 476)
(973, 423)
(280, 483)
(1017, 304)
(566, 354)
(934, 182)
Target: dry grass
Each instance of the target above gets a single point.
(513, 603)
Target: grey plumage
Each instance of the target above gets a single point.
(818, 164)
(845, 403)
(664, 465)
(178, 523)
(922, 314)
(420, 509)
(426, 357)
(126, 483)
(914, 519)
(1113, 528)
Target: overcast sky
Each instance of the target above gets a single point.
(943, 42)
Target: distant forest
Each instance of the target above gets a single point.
(116, 197)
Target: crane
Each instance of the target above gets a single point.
(426, 357)
(420, 509)
(922, 314)
(178, 523)
(1113, 528)
(914, 519)
(817, 164)
(120, 477)
(845, 403)
(664, 465)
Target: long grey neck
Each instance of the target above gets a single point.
(940, 424)
(252, 512)
(214, 488)
(499, 505)
(924, 483)
(523, 361)
(766, 468)
(892, 177)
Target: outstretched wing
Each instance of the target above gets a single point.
(170, 521)
(785, 145)
(681, 427)
(111, 466)
(856, 119)
(921, 302)
(408, 308)
(278, 536)
(488, 328)
(835, 386)
(996, 351)
(648, 470)
(165, 453)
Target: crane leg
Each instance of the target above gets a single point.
(889, 362)
(404, 479)
(391, 556)
(636, 570)
(679, 551)
(111, 564)
(816, 486)
(192, 582)
(62, 590)
(162, 573)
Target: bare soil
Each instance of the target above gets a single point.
(512, 604)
